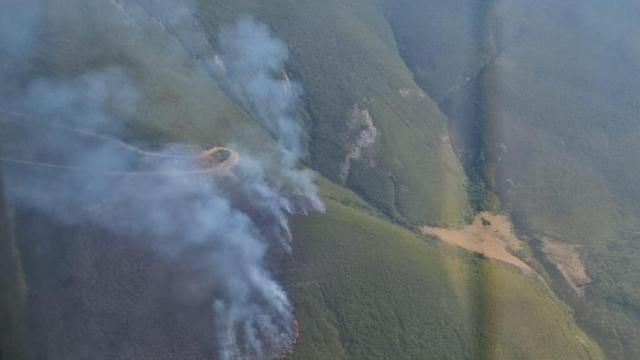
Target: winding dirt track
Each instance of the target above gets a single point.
(223, 167)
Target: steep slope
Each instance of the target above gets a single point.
(449, 49)
(12, 293)
(549, 121)
(177, 100)
(344, 54)
(366, 289)
(446, 56)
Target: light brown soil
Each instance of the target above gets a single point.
(566, 258)
(490, 235)
(222, 166)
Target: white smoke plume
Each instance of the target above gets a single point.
(248, 64)
(249, 57)
(165, 199)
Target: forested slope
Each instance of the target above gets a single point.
(544, 113)
(427, 122)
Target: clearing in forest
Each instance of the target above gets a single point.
(490, 235)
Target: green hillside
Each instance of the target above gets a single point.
(476, 105)
(12, 329)
(366, 289)
(179, 102)
(344, 53)
(548, 119)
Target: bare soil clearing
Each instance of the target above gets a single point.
(490, 235)
(566, 258)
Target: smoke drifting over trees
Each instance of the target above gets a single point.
(158, 199)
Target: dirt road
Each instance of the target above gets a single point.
(209, 158)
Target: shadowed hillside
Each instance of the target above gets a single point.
(12, 289)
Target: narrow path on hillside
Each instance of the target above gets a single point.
(209, 158)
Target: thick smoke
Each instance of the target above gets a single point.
(249, 65)
(70, 163)
(249, 57)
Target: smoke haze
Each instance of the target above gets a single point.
(74, 168)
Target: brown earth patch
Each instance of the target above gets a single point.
(490, 235)
(566, 258)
